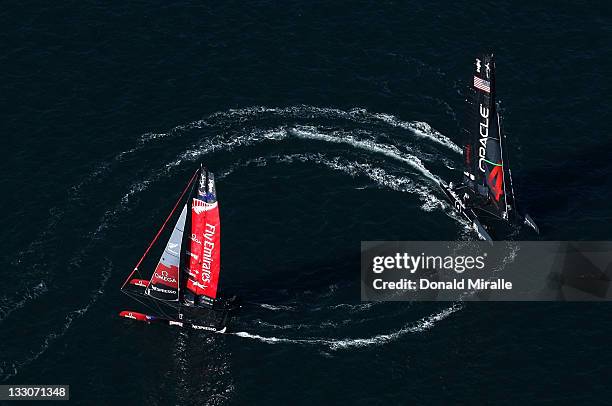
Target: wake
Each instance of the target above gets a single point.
(29, 294)
(221, 143)
(420, 326)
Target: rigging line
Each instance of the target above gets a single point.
(492, 163)
(501, 153)
(142, 302)
(148, 304)
(181, 274)
(157, 302)
(488, 212)
(506, 158)
(161, 229)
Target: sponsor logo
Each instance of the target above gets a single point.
(484, 135)
(209, 233)
(165, 277)
(169, 291)
(203, 181)
(495, 181)
(195, 239)
(139, 282)
(207, 253)
(196, 327)
(496, 176)
(478, 65)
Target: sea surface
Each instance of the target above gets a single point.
(327, 123)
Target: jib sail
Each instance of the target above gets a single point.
(164, 284)
(203, 254)
(483, 153)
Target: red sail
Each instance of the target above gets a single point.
(205, 248)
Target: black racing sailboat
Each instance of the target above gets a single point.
(182, 289)
(486, 190)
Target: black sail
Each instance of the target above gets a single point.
(484, 157)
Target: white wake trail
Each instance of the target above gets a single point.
(420, 326)
(368, 145)
(356, 115)
(378, 175)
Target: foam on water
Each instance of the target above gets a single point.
(378, 175)
(357, 115)
(368, 145)
(362, 140)
(30, 294)
(275, 308)
(419, 326)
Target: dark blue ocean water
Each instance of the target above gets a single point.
(325, 123)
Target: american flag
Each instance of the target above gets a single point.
(482, 84)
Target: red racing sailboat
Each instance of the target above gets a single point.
(182, 290)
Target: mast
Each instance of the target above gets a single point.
(501, 150)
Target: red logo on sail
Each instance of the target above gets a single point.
(496, 182)
(166, 275)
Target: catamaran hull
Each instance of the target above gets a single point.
(189, 297)
(472, 217)
(215, 319)
(160, 320)
(466, 212)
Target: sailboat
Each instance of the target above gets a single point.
(486, 190)
(182, 290)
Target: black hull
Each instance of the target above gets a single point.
(470, 214)
(466, 212)
(217, 319)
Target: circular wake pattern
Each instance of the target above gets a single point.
(68, 281)
(419, 326)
